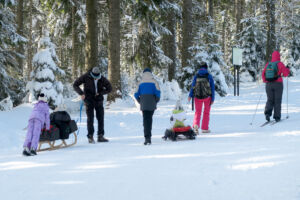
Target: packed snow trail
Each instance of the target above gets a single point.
(236, 161)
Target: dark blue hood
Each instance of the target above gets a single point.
(202, 71)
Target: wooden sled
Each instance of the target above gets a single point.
(53, 146)
(53, 135)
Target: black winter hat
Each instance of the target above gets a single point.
(203, 65)
(42, 97)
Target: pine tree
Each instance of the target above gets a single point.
(148, 52)
(253, 42)
(290, 33)
(45, 73)
(205, 48)
(11, 88)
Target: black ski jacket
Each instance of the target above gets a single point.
(89, 90)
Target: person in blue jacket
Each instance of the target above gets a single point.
(148, 95)
(203, 90)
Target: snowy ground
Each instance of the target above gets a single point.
(236, 162)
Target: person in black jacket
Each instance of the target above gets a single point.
(95, 86)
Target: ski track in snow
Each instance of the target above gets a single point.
(236, 162)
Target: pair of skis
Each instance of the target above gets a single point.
(271, 122)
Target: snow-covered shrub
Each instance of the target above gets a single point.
(169, 90)
(6, 104)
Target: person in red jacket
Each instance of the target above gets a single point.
(272, 76)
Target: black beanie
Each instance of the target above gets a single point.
(203, 65)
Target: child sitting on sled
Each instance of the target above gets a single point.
(178, 116)
(178, 125)
(39, 117)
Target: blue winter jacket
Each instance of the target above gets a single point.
(148, 93)
(203, 71)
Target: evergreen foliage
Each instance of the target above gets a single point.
(11, 86)
(148, 39)
(45, 73)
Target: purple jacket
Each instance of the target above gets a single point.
(41, 112)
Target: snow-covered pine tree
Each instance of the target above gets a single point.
(290, 32)
(11, 88)
(45, 73)
(253, 42)
(205, 48)
(148, 52)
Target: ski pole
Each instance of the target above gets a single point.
(81, 106)
(287, 97)
(255, 110)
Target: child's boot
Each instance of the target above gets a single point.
(196, 129)
(26, 152)
(33, 152)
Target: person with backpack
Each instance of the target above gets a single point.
(203, 92)
(272, 76)
(148, 95)
(94, 87)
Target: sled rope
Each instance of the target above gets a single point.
(81, 106)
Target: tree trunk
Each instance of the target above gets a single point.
(186, 32)
(210, 8)
(169, 43)
(20, 29)
(224, 22)
(271, 38)
(210, 18)
(114, 49)
(29, 47)
(74, 44)
(240, 5)
(91, 43)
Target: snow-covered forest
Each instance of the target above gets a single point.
(46, 44)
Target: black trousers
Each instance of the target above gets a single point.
(147, 122)
(92, 105)
(274, 92)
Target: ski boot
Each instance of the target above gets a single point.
(268, 118)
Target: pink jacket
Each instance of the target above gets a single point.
(282, 70)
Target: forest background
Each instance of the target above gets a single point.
(46, 44)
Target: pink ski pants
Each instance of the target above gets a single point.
(198, 105)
